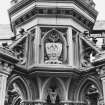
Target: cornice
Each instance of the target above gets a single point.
(46, 70)
(53, 12)
(17, 7)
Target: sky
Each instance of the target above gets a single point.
(4, 5)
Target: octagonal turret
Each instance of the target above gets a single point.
(53, 30)
(28, 11)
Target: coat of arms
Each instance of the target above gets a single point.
(53, 51)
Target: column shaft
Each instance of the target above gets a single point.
(70, 47)
(3, 82)
(37, 43)
(103, 83)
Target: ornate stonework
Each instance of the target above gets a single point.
(14, 95)
(53, 47)
(6, 68)
(53, 51)
(50, 50)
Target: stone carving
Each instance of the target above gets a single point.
(90, 2)
(101, 71)
(54, 36)
(19, 50)
(53, 97)
(100, 101)
(8, 67)
(92, 95)
(53, 51)
(5, 67)
(53, 48)
(14, 96)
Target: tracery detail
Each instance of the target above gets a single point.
(53, 47)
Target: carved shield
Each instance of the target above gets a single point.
(53, 50)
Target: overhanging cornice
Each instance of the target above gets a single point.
(17, 7)
(56, 13)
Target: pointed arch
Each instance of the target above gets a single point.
(49, 83)
(63, 41)
(84, 83)
(60, 34)
(22, 85)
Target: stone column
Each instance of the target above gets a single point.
(37, 45)
(103, 84)
(70, 47)
(77, 50)
(5, 70)
(103, 43)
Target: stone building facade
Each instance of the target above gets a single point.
(54, 58)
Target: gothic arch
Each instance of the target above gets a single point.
(62, 39)
(59, 86)
(22, 85)
(84, 84)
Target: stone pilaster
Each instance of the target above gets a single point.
(70, 47)
(103, 84)
(102, 76)
(37, 44)
(5, 70)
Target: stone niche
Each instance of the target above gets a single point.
(53, 46)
